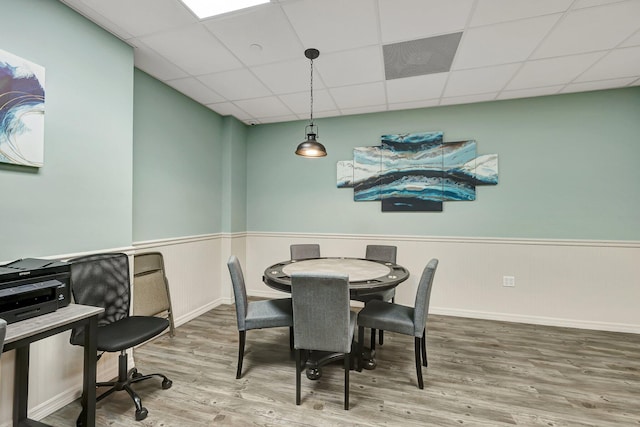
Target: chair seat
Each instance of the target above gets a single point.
(125, 333)
(386, 295)
(269, 314)
(388, 317)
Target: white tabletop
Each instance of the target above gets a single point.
(357, 269)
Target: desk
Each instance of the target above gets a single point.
(21, 334)
(365, 277)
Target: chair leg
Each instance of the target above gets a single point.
(241, 341)
(141, 411)
(360, 347)
(373, 339)
(417, 346)
(381, 337)
(347, 368)
(424, 347)
(298, 373)
(291, 338)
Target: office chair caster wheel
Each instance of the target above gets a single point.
(135, 373)
(166, 383)
(141, 414)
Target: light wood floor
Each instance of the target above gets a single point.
(481, 373)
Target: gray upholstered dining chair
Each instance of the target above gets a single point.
(256, 314)
(322, 320)
(382, 253)
(3, 331)
(401, 319)
(304, 251)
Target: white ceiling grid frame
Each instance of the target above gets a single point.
(576, 33)
(222, 54)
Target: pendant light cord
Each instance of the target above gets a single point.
(311, 97)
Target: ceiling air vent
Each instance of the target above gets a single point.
(420, 57)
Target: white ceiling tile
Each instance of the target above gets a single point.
(195, 89)
(288, 77)
(416, 88)
(194, 49)
(364, 110)
(528, 93)
(355, 66)
(468, 99)
(278, 119)
(235, 84)
(333, 25)
(269, 106)
(359, 95)
(229, 109)
(300, 103)
(552, 71)
(618, 63)
(402, 20)
(414, 105)
(150, 62)
(597, 85)
(634, 40)
(480, 80)
(578, 4)
(261, 37)
(321, 114)
(494, 11)
(502, 43)
(141, 17)
(591, 29)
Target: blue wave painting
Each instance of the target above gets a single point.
(21, 111)
(419, 171)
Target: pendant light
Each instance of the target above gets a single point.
(311, 147)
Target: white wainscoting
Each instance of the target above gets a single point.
(572, 283)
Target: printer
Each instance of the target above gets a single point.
(30, 287)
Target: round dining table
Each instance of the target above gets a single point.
(365, 277)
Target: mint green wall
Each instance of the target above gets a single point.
(234, 167)
(81, 199)
(180, 168)
(568, 169)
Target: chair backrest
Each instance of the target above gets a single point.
(150, 285)
(102, 280)
(304, 251)
(423, 295)
(239, 290)
(321, 311)
(381, 253)
(3, 331)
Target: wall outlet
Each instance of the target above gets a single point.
(508, 281)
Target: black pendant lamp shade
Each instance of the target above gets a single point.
(311, 147)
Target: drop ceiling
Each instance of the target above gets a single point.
(251, 64)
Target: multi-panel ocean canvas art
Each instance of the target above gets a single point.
(417, 172)
(21, 111)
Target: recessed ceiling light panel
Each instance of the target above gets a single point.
(208, 8)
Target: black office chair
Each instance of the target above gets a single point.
(304, 251)
(102, 280)
(322, 320)
(382, 253)
(401, 319)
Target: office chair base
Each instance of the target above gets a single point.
(125, 379)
